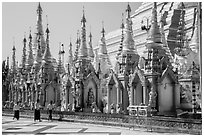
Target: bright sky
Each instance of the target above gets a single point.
(64, 21)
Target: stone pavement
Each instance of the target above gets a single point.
(28, 126)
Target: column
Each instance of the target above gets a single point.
(108, 102)
(131, 95)
(118, 95)
(66, 96)
(193, 97)
(144, 94)
(23, 100)
(26, 96)
(10, 95)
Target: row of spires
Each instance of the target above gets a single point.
(81, 48)
(39, 46)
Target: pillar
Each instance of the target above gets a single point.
(108, 102)
(193, 97)
(125, 98)
(118, 95)
(66, 96)
(144, 94)
(131, 95)
(26, 96)
(23, 95)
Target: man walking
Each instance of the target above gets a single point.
(37, 111)
(50, 107)
(16, 109)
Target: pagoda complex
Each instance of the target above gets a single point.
(152, 61)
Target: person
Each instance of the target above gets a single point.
(16, 109)
(37, 111)
(50, 107)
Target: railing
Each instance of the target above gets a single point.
(138, 110)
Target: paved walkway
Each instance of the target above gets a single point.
(28, 126)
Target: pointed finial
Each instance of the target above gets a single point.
(30, 37)
(103, 30)
(14, 44)
(90, 35)
(39, 10)
(47, 30)
(24, 39)
(77, 41)
(83, 20)
(122, 25)
(62, 48)
(47, 20)
(128, 10)
(154, 34)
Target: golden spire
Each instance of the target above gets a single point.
(154, 32)
(83, 51)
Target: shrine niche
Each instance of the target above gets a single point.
(115, 94)
(67, 92)
(50, 94)
(138, 93)
(168, 92)
(91, 91)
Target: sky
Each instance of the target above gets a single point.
(63, 19)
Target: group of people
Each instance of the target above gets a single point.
(37, 107)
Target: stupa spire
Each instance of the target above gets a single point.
(70, 57)
(83, 51)
(103, 58)
(128, 10)
(60, 65)
(164, 41)
(102, 45)
(47, 33)
(83, 20)
(154, 32)
(38, 58)
(30, 58)
(122, 32)
(39, 9)
(14, 59)
(47, 55)
(128, 42)
(39, 31)
(24, 52)
(77, 47)
(90, 49)
(122, 38)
